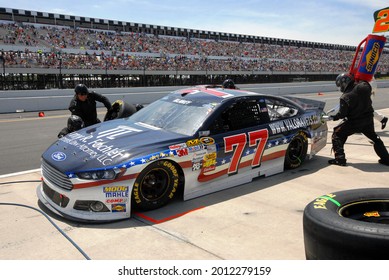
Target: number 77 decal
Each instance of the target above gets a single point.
(257, 138)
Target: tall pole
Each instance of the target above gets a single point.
(59, 56)
(2, 59)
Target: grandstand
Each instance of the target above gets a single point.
(45, 50)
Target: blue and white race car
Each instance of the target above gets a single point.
(192, 142)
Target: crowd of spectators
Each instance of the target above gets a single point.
(71, 48)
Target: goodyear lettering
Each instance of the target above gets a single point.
(175, 179)
(171, 167)
(136, 193)
(320, 203)
(175, 185)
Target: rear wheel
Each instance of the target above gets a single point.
(297, 151)
(155, 186)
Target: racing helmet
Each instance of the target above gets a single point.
(228, 84)
(75, 123)
(344, 80)
(81, 89)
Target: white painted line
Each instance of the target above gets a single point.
(19, 173)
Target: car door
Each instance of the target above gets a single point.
(238, 136)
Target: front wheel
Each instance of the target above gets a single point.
(297, 151)
(155, 186)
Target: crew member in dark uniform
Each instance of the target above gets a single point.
(229, 84)
(356, 110)
(83, 104)
(74, 123)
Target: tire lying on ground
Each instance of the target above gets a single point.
(352, 225)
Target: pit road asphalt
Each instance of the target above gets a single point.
(261, 220)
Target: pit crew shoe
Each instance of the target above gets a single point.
(338, 161)
(384, 162)
(384, 121)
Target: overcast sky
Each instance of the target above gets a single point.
(345, 22)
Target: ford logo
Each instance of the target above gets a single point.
(58, 156)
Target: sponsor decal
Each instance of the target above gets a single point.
(192, 142)
(204, 133)
(118, 207)
(199, 155)
(117, 131)
(58, 156)
(182, 101)
(116, 191)
(182, 152)
(372, 214)
(372, 57)
(116, 200)
(217, 92)
(209, 168)
(211, 148)
(177, 146)
(208, 163)
(97, 147)
(207, 140)
(195, 148)
(196, 166)
(211, 156)
(294, 123)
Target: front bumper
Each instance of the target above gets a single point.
(62, 203)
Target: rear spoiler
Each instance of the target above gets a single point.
(307, 104)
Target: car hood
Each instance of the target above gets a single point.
(108, 144)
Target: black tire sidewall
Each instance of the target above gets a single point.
(328, 235)
(139, 202)
(290, 164)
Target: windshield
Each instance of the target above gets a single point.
(173, 116)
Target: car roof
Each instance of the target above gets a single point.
(211, 94)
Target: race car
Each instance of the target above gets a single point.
(191, 142)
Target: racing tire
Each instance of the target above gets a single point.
(296, 151)
(348, 225)
(119, 110)
(155, 186)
